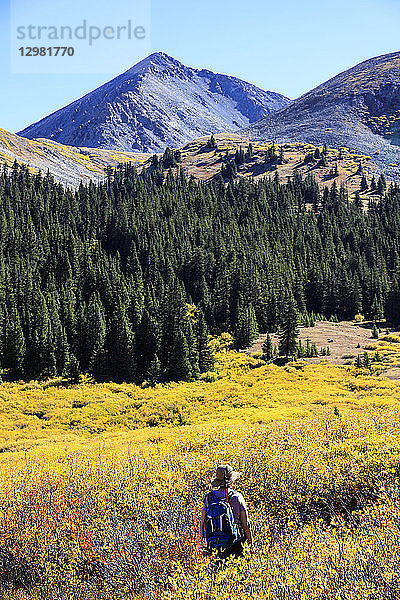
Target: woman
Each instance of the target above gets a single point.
(224, 477)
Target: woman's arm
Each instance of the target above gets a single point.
(203, 516)
(246, 527)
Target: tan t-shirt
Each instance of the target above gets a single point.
(235, 499)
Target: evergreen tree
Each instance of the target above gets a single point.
(72, 369)
(179, 367)
(14, 347)
(247, 328)
(147, 345)
(206, 357)
(268, 348)
(119, 346)
(381, 186)
(212, 144)
(364, 184)
(392, 306)
(153, 373)
(79, 269)
(96, 330)
(289, 328)
(358, 202)
(249, 152)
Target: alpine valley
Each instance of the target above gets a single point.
(203, 273)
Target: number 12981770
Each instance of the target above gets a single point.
(50, 51)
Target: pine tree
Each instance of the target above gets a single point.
(377, 313)
(268, 349)
(358, 202)
(212, 142)
(239, 156)
(392, 306)
(249, 152)
(96, 330)
(289, 328)
(153, 373)
(364, 184)
(193, 351)
(14, 346)
(119, 346)
(179, 367)
(72, 370)
(206, 357)
(147, 344)
(381, 186)
(247, 328)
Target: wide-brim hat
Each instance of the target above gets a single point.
(224, 475)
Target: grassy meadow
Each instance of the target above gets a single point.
(101, 485)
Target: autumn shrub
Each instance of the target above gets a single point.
(109, 507)
(122, 522)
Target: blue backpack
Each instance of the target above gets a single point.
(220, 529)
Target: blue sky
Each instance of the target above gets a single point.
(288, 47)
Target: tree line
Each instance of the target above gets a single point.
(125, 279)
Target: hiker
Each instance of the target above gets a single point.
(224, 518)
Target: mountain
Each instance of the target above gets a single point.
(69, 165)
(358, 109)
(159, 102)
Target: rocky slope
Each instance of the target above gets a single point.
(68, 164)
(358, 109)
(157, 103)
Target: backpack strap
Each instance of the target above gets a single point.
(211, 496)
(207, 498)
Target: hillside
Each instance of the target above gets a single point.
(69, 165)
(359, 109)
(205, 163)
(123, 279)
(159, 102)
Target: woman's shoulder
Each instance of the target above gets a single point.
(238, 496)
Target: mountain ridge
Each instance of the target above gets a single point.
(358, 108)
(158, 102)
